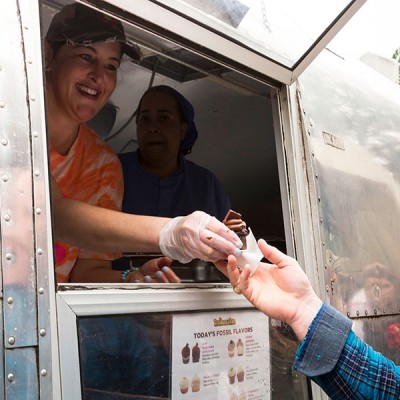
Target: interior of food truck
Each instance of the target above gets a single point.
(233, 116)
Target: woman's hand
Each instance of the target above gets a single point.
(156, 270)
(281, 289)
(198, 235)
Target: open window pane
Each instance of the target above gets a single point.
(283, 31)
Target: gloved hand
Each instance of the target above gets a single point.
(198, 235)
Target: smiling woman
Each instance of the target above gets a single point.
(81, 74)
(83, 53)
(80, 79)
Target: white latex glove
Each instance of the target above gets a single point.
(198, 235)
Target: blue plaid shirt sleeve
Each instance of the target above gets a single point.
(342, 364)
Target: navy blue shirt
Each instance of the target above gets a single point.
(191, 188)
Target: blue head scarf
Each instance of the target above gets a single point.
(187, 114)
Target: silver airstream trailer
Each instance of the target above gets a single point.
(305, 143)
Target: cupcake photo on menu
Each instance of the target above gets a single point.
(231, 348)
(239, 347)
(231, 375)
(195, 383)
(234, 396)
(184, 384)
(186, 354)
(240, 374)
(242, 395)
(196, 353)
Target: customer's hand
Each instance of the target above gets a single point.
(281, 290)
(198, 235)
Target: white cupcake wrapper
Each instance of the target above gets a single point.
(252, 255)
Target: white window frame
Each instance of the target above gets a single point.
(113, 299)
(154, 13)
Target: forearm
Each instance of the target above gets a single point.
(197, 235)
(93, 271)
(363, 372)
(307, 311)
(342, 364)
(100, 229)
(100, 271)
(98, 275)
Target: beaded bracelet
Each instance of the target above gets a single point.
(127, 272)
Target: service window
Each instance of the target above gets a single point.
(233, 116)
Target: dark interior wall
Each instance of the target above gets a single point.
(237, 143)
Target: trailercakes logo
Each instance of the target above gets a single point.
(224, 322)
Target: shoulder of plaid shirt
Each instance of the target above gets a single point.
(342, 364)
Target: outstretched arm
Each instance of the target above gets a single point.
(330, 353)
(281, 289)
(100, 229)
(197, 235)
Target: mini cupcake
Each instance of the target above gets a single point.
(231, 348)
(184, 384)
(240, 374)
(186, 354)
(242, 395)
(232, 375)
(240, 229)
(196, 353)
(195, 383)
(234, 396)
(240, 347)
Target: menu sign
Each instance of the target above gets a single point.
(220, 355)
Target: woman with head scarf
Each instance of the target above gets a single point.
(158, 179)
